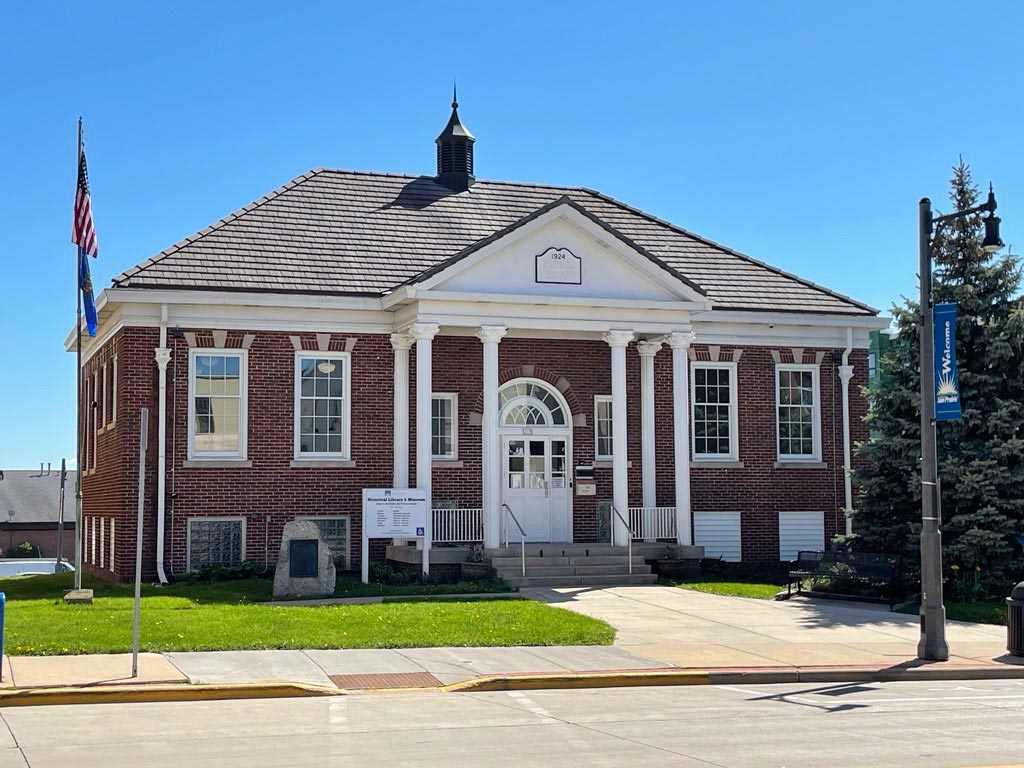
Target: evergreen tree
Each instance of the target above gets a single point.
(981, 456)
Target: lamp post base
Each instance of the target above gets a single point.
(932, 646)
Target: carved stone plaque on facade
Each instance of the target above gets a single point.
(305, 567)
(558, 265)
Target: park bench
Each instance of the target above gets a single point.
(873, 569)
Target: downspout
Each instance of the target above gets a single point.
(163, 356)
(845, 374)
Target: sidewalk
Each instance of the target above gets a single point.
(665, 636)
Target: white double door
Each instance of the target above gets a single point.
(536, 484)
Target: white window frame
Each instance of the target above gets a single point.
(452, 397)
(734, 427)
(348, 548)
(103, 406)
(243, 409)
(110, 564)
(346, 401)
(598, 399)
(214, 519)
(815, 456)
(113, 398)
(94, 412)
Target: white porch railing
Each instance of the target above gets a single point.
(458, 526)
(650, 523)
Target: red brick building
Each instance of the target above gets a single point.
(545, 351)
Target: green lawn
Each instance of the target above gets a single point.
(225, 616)
(731, 587)
(980, 613)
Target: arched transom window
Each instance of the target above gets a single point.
(529, 403)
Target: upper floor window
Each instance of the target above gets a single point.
(322, 405)
(799, 420)
(217, 403)
(444, 429)
(603, 446)
(713, 396)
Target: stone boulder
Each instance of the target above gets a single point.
(305, 567)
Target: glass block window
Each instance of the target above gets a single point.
(797, 405)
(335, 531)
(217, 402)
(603, 427)
(531, 403)
(444, 416)
(322, 405)
(713, 400)
(215, 541)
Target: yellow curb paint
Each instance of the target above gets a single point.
(41, 697)
(580, 680)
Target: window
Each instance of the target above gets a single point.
(528, 403)
(217, 403)
(713, 403)
(322, 386)
(798, 417)
(113, 393)
(603, 427)
(103, 398)
(94, 415)
(215, 541)
(800, 531)
(444, 426)
(335, 532)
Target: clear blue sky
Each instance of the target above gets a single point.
(802, 133)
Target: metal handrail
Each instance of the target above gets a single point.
(629, 538)
(522, 535)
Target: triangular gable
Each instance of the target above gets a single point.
(561, 250)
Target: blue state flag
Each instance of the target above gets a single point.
(85, 285)
(947, 381)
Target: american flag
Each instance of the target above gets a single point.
(83, 234)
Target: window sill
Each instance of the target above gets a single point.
(608, 464)
(217, 463)
(801, 465)
(446, 463)
(322, 463)
(716, 464)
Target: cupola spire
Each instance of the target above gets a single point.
(455, 152)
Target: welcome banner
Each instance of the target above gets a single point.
(947, 383)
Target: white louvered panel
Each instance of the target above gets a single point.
(719, 534)
(800, 530)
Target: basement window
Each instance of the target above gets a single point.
(335, 532)
(215, 541)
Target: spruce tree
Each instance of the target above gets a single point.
(981, 456)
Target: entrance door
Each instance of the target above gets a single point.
(535, 484)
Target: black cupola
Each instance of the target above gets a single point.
(455, 153)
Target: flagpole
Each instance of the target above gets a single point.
(78, 397)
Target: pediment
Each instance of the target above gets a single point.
(562, 251)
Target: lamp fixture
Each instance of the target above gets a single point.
(326, 367)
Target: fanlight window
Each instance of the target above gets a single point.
(530, 404)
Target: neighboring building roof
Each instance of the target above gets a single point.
(34, 497)
(360, 233)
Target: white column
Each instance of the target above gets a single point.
(401, 343)
(845, 374)
(424, 333)
(618, 341)
(490, 451)
(648, 457)
(680, 344)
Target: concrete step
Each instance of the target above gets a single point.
(571, 570)
(549, 550)
(582, 581)
(575, 560)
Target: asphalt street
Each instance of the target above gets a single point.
(907, 724)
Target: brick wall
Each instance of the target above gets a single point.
(271, 491)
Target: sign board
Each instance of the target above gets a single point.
(394, 513)
(558, 265)
(947, 382)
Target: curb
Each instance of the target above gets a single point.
(564, 680)
(44, 697)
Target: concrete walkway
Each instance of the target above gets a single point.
(658, 627)
(689, 629)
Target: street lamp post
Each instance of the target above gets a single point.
(932, 645)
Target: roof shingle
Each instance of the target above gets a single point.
(349, 232)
